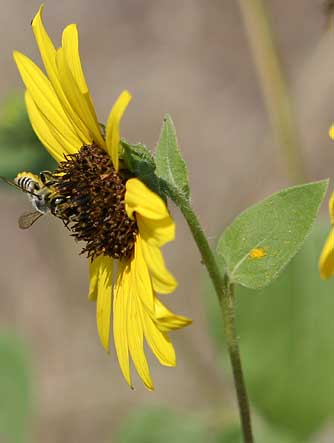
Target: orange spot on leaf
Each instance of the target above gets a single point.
(257, 253)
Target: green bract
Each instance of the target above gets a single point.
(171, 168)
(264, 238)
(139, 160)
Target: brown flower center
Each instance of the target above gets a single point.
(91, 203)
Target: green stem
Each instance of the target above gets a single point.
(228, 309)
(224, 291)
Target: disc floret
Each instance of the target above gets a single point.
(93, 203)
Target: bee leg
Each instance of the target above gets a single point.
(46, 178)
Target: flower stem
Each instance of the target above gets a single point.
(228, 310)
(224, 291)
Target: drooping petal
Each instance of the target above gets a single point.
(167, 320)
(104, 296)
(162, 280)
(120, 307)
(159, 342)
(140, 297)
(76, 99)
(155, 224)
(141, 278)
(112, 128)
(156, 232)
(136, 338)
(41, 91)
(138, 314)
(326, 261)
(43, 131)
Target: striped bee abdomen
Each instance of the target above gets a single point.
(27, 181)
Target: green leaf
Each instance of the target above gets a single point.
(264, 238)
(171, 168)
(15, 402)
(286, 336)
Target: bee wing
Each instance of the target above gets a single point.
(28, 218)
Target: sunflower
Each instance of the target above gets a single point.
(122, 222)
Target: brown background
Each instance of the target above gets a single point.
(192, 59)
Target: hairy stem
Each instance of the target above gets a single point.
(224, 291)
(228, 310)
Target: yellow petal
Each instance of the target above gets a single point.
(53, 139)
(155, 224)
(70, 44)
(136, 341)
(103, 305)
(167, 320)
(141, 200)
(44, 43)
(326, 261)
(43, 131)
(159, 343)
(331, 208)
(94, 269)
(162, 280)
(112, 128)
(156, 232)
(77, 100)
(42, 93)
(121, 293)
(141, 284)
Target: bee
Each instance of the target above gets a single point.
(42, 196)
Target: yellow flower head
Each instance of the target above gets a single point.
(326, 261)
(121, 220)
(331, 131)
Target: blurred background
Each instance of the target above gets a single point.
(201, 62)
